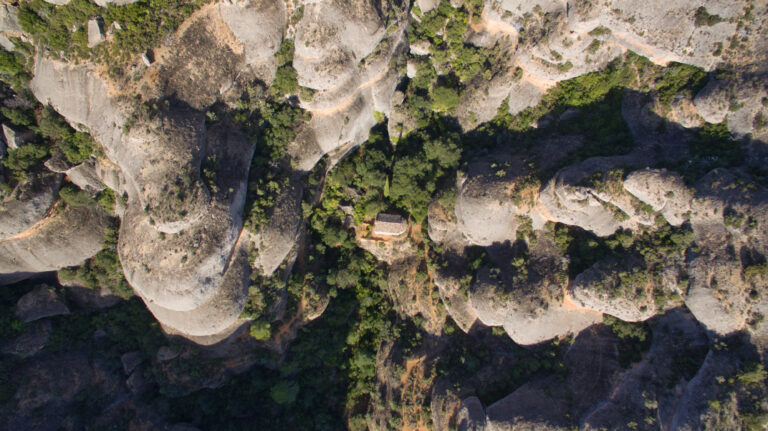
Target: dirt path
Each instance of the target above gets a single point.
(568, 304)
(287, 328)
(412, 393)
(492, 26)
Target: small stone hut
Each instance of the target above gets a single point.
(389, 225)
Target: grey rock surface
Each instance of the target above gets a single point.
(536, 406)
(343, 52)
(41, 302)
(471, 416)
(530, 304)
(202, 248)
(14, 138)
(640, 390)
(260, 41)
(618, 287)
(85, 177)
(485, 211)
(66, 238)
(278, 236)
(219, 312)
(663, 190)
(28, 203)
(95, 32)
(30, 341)
(131, 360)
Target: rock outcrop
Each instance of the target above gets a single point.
(599, 392)
(41, 302)
(28, 204)
(343, 53)
(554, 41)
(66, 238)
(527, 296)
(723, 210)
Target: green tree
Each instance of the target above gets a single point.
(261, 330)
(24, 158)
(445, 99)
(286, 81)
(284, 392)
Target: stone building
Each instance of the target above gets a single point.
(389, 225)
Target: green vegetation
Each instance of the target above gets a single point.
(756, 270)
(284, 392)
(599, 31)
(24, 159)
(63, 29)
(678, 78)
(419, 169)
(594, 46)
(127, 326)
(263, 294)
(327, 378)
(634, 339)
(273, 125)
(330, 367)
(584, 248)
(285, 78)
(53, 25)
(467, 355)
(102, 270)
(753, 373)
(261, 330)
(445, 99)
(44, 130)
(712, 147)
(733, 218)
(73, 196)
(702, 17)
(715, 143)
(458, 62)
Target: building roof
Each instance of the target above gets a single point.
(389, 224)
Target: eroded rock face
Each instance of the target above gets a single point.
(85, 177)
(28, 203)
(260, 41)
(42, 302)
(30, 341)
(194, 257)
(552, 41)
(485, 211)
(591, 195)
(170, 209)
(725, 211)
(66, 238)
(471, 416)
(278, 236)
(664, 191)
(220, 311)
(537, 406)
(343, 52)
(455, 299)
(601, 393)
(178, 232)
(739, 99)
(619, 288)
(528, 299)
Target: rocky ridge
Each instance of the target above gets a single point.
(542, 241)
